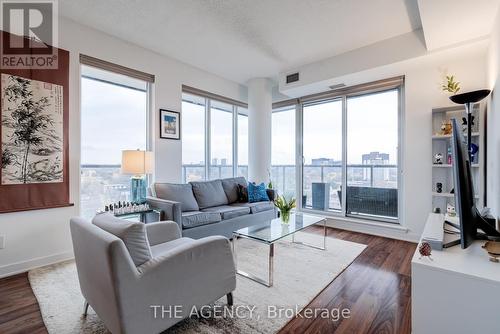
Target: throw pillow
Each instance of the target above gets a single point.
(242, 193)
(257, 193)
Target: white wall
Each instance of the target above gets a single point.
(40, 237)
(423, 78)
(493, 120)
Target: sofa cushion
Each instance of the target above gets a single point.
(182, 193)
(197, 218)
(209, 193)
(163, 248)
(133, 235)
(228, 212)
(257, 206)
(230, 186)
(257, 192)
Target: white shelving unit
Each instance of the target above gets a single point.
(443, 173)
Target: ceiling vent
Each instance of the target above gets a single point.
(294, 77)
(337, 86)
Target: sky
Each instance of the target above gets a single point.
(113, 119)
(372, 125)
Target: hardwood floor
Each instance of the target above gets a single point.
(376, 288)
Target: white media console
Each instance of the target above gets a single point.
(458, 291)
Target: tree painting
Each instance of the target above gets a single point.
(31, 131)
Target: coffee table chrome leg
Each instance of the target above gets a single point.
(310, 245)
(259, 280)
(271, 264)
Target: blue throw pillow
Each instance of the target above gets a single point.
(257, 193)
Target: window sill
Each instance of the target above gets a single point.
(366, 222)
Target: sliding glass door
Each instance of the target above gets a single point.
(372, 154)
(350, 154)
(322, 152)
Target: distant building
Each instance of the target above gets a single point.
(324, 162)
(223, 162)
(375, 158)
(215, 162)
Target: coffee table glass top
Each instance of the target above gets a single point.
(273, 230)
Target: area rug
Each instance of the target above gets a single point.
(300, 273)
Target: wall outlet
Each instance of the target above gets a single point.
(2, 241)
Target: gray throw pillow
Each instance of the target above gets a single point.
(209, 194)
(182, 193)
(133, 235)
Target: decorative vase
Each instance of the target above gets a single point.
(285, 217)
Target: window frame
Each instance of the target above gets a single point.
(125, 72)
(343, 94)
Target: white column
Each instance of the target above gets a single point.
(260, 107)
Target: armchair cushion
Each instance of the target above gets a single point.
(257, 206)
(133, 235)
(162, 249)
(230, 186)
(194, 219)
(209, 193)
(182, 193)
(161, 232)
(228, 212)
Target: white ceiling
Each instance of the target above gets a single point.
(243, 39)
(450, 22)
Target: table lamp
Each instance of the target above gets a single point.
(138, 163)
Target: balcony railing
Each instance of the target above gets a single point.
(102, 184)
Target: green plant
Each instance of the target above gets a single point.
(270, 184)
(285, 206)
(451, 86)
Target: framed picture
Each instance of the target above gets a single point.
(170, 124)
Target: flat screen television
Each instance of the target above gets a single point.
(469, 216)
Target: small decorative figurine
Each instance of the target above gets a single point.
(450, 160)
(464, 124)
(425, 250)
(438, 159)
(473, 150)
(450, 210)
(439, 187)
(446, 128)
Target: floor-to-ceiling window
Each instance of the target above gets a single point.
(221, 140)
(193, 137)
(242, 151)
(372, 154)
(350, 151)
(214, 137)
(283, 151)
(114, 117)
(322, 152)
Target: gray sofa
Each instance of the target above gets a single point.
(128, 270)
(209, 208)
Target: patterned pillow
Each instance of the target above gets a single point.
(242, 193)
(257, 193)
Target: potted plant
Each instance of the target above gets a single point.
(285, 207)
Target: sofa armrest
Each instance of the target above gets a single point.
(161, 232)
(171, 210)
(271, 193)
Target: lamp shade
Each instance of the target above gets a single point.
(137, 162)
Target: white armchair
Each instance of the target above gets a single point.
(127, 269)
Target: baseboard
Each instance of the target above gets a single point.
(21, 267)
(374, 229)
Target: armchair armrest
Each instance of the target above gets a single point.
(271, 193)
(161, 232)
(171, 210)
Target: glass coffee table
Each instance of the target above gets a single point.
(270, 232)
